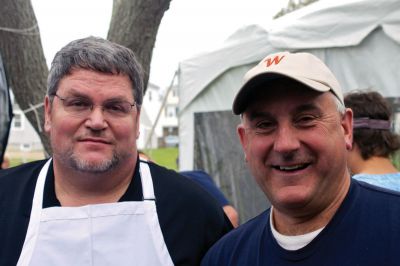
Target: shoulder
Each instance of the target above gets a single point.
(191, 220)
(181, 196)
(376, 201)
(205, 181)
(17, 187)
(168, 183)
(390, 181)
(20, 174)
(17, 184)
(199, 176)
(378, 193)
(241, 243)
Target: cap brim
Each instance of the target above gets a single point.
(242, 97)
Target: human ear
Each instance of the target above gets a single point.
(47, 114)
(241, 131)
(347, 125)
(137, 124)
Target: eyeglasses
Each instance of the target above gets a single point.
(82, 107)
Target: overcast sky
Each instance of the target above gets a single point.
(188, 28)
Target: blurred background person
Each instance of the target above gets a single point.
(206, 181)
(373, 140)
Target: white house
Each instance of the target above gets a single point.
(23, 141)
(161, 108)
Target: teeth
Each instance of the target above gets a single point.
(289, 168)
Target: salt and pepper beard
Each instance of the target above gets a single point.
(73, 161)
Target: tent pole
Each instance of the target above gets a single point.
(147, 143)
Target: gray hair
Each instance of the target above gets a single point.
(98, 54)
(339, 105)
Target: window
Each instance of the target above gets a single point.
(170, 111)
(18, 121)
(25, 147)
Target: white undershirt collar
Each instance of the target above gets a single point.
(292, 242)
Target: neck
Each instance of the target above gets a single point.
(376, 166)
(76, 188)
(304, 221)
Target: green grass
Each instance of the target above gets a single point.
(166, 157)
(18, 161)
(15, 162)
(396, 159)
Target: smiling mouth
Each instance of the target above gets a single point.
(95, 141)
(290, 168)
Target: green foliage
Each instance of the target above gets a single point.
(18, 161)
(166, 157)
(396, 159)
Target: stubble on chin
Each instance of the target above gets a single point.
(77, 163)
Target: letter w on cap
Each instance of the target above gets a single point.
(274, 60)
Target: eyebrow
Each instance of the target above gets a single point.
(76, 93)
(256, 114)
(253, 115)
(307, 107)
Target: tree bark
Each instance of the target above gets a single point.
(135, 24)
(24, 61)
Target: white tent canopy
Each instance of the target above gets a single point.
(358, 40)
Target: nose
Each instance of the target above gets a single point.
(96, 120)
(286, 139)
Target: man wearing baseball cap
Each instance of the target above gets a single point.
(295, 133)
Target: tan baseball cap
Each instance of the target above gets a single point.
(302, 67)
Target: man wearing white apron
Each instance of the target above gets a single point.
(94, 202)
(52, 237)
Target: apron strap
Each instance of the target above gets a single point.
(147, 181)
(33, 227)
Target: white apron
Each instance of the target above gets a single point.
(123, 233)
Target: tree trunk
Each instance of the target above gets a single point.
(24, 61)
(135, 24)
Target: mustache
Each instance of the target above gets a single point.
(291, 157)
(95, 135)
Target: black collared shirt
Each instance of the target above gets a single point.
(190, 219)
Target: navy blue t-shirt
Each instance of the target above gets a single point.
(364, 231)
